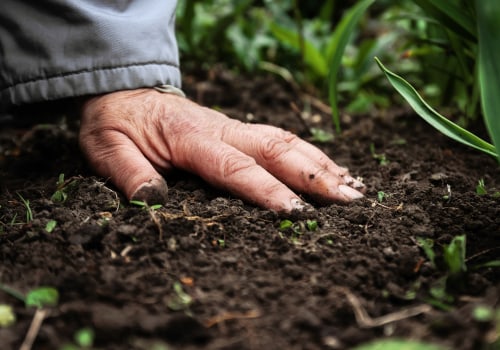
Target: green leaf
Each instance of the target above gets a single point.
(50, 226)
(85, 337)
(7, 316)
(397, 344)
(488, 14)
(454, 255)
(41, 297)
(312, 56)
(427, 245)
(335, 50)
(451, 16)
(444, 125)
(285, 224)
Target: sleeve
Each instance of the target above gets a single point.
(57, 49)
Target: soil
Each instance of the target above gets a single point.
(208, 271)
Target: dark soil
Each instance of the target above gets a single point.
(252, 285)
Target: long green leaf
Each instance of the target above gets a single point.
(312, 56)
(444, 125)
(488, 15)
(451, 16)
(336, 47)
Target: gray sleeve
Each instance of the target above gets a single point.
(56, 49)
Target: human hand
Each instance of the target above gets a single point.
(132, 136)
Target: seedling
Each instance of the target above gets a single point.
(181, 300)
(50, 226)
(144, 205)
(61, 193)
(380, 157)
(7, 315)
(481, 188)
(39, 297)
(29, 213)
(84, 337)
(381, 196)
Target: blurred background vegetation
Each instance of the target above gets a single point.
(432, 44)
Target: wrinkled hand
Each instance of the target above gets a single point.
(131, 137)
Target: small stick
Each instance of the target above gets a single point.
(36, 323)
(365, 321)
(226, 316)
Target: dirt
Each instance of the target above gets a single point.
(208, 271)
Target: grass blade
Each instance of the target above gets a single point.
(336, 47)
(488, 14)
(451, 16)
(444, 125)
(312, 56)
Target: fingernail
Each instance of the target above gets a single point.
(349, 180)
(350, 192)
(155, 191)
(297, 204)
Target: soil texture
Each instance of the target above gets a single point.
(208, 271)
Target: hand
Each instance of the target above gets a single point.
(132, 136)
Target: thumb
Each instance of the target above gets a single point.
(114, 156)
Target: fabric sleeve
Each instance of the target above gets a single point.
(56, 49)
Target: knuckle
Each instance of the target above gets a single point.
(272, 149)
(234, 164)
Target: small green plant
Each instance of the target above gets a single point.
(83, 339)
(481, 188)
(380, 157)
(180, 300)
(381, 196)
(50, 226)
(298, 228)
(38, 297)
(63, 186)
(145, 206)
(397, 344)
(29, 212)
(7, 315)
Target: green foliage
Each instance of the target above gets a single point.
(454, 255)
(336, 49)
(397, 344)
(180, 300)
(42, 297)
(84, 337)
(488, 13)
(462, 43)
(7, 315)
(481, 187)
(145, 206)
(63, 187)
(50, 226)
(444, 125)
(29, 212)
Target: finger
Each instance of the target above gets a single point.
(278, 152)
(113, 155)
(226, 167)
(311, 152)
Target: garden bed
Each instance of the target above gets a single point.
(209, 271)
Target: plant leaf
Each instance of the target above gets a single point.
(336, 48)
(42, 296)
(451, 16)
(312, 56)
(397, 344)
(444, 125)
(488, 13)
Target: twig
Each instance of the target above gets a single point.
(36, 323)
(226, 316)
(365, 321)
